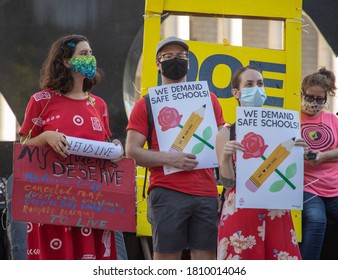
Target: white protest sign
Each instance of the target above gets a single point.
(96, 149)
(270, 171)
(185, 121)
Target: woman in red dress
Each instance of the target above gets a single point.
(65, 106)
(243, 233)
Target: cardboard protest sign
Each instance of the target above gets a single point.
(75, 191)
(270, 171)
(185, 121)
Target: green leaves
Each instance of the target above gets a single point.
(198, 148)
(277, 186)
(207, 133)
(290, 172)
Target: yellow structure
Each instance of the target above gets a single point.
(217, 62)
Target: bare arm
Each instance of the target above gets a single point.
(54, 139)
(225, 150)
(148, 158)
(225, 161)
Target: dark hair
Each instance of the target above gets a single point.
(236, 78)
(55, 75)
(323, 78)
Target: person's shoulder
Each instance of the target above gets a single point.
(214, 98)
(329, 114)
(42, 95)
(139, 107)
(213, 95)
(96, 98)
(142, 100)
(144, 97)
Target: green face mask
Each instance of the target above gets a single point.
(84, 64)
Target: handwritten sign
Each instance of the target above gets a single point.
(91, 148)
(75, 191)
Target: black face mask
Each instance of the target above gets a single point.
(174, 69)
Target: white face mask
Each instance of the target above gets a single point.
(253, 96)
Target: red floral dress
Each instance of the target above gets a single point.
(255, 234)
(250, 233)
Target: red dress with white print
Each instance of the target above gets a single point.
(255, 234)
(86, 118)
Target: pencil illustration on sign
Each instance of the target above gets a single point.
(170, 118)
(255, 147)
(188, 130)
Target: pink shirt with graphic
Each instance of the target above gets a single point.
(321, 133)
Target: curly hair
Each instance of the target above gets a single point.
(323, 78)
(55, 75)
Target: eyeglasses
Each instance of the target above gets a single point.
(168, 56)
(310, 98)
